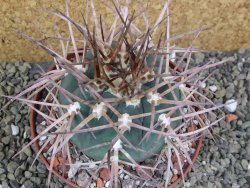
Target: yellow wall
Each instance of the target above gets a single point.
(229, 21)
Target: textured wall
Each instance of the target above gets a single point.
(229, 21)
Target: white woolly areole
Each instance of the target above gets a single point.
(165, 120)
(75, 107)
(124, 121)
(117, 145)
(231, 105)
(182, 86)
(154, 97)
(99, 109)
(133, 102)
(81, 67)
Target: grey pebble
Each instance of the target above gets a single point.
(36, 180)
(2, 155)
(12, 166)
(28, 184)
(27, 174)
(244, 164)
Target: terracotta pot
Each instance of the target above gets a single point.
(175, 180)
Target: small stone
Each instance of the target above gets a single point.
(231, 105)
(213, 88)
(14, 184)
(8, 119)
(216, 130)
(221, 93)
(1, 156)
(104, 174)
(41, 168)
(242, 181)
(241, 51)
(12, 166)
(28, 152)
(6, 140)
(129, 183)
(241, 76)
(27, 174)
(11, 176)
(230, 91)
(18, 172)
(23, 69)
(235, 148)
(5, 184)
(14, 129)
(36, 180)
(235, 185)
(107, 184)
(28, 184)
(230, 117)
(199, 57)
(245, 125)
(248, 76)
(12, 69)
(244, 164)
(82, 179)
(2, 170)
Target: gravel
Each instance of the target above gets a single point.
(223, 162)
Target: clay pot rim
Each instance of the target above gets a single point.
(32, 119)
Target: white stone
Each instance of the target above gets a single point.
(107, 184)
(213, 88)
(122, 175)
(126, 177)
(185, 110)
(175, 171)
(187, 184)
(14, 129)
(137, 182)
(43, 123)
(196, 122)
(231, 105)
(25, 134)
(42, 138)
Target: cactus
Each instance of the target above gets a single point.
(119, 99)
(144, 146)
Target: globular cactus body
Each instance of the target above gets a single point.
(96, 144)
